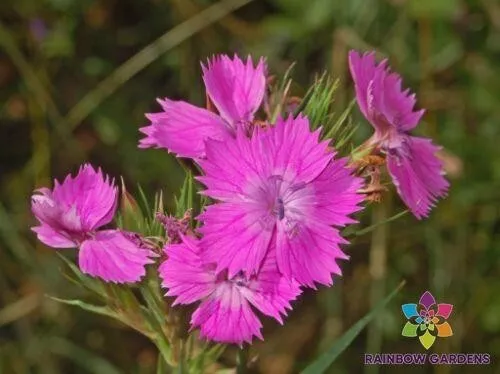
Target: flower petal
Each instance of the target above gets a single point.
(227, 321)
(295, 150)
(225, 314)
(309, 253)
(93, 195)
(57, 220)
(236, 87)
(112, 257)
(363, 68)
(55, 239)
(182, 128)
(236, 236)
(281, 174)
(380, 96)
(183, 273)
(418, 175)
(74, 208)
(335, 194)
(271, 292)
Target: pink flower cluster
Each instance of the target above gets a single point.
(279, 198)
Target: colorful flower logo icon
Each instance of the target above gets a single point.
(427, 320)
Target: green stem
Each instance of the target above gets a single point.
(242, 361)
(161, 365)
(379, 223)
(164, 356)
(181, 368)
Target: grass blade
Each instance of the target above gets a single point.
(147, 55)
(326, 359)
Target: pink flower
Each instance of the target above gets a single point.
(70, 216)
(280, 188)
(225, 313)
(416, 171)
(236, 88)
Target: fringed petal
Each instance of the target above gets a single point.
(111, 256)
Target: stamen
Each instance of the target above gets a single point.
(280, 208)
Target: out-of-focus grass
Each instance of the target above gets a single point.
(446, 50)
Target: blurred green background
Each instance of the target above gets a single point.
(65, 97)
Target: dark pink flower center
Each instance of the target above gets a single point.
(280, 208)
(239, 279)
(389, 139)
(284, 194)
(279, 201)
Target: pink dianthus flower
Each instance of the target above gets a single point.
(411, 161)
(71, 214)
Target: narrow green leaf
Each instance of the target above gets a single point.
(318, 102)
(278, 95)
(160, 207)
(279, 101)
(368, 229)
(346, 136)
(155, 228)
(286, 76)
(83, 280)
(324, 361)
(317, 105)
(214, 352)
(144, 200)
(152, 294)
(102, 310)
(340, 122)
(190, 193)
(209, 353)
(186, 197)
(108, 312)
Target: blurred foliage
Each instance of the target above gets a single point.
(54, 52)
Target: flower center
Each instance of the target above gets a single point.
(278, 201)
(280, 208)
(238, 280)
(283, 196)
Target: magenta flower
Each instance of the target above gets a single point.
(225, 313)
(280, 188)
(70, 216)
(412, 163)
(236, 88)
